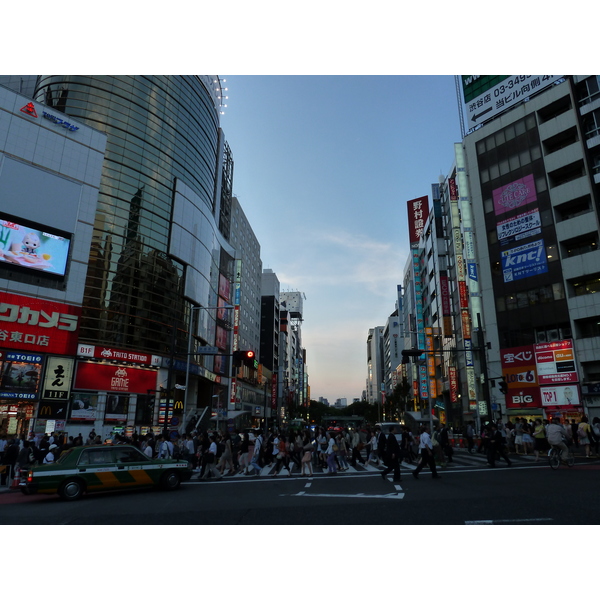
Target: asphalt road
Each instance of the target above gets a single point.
(524, 494)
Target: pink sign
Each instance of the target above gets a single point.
(514, 195)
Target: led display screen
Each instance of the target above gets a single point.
(33, 246)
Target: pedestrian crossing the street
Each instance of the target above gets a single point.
(461, 459)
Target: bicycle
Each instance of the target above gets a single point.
(554, 458)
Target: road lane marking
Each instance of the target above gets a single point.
(505, 521)
(361, 496)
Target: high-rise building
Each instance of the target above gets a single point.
(533, 181)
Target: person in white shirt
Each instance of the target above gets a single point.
(254, 463)
(556, 437)
(210, 464)
(426, 451)
(49, 458)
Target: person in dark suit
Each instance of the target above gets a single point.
(392, 454)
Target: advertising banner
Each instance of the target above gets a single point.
(562, 395)
(518, 228)
(555, 362)
(114, 378)
(84, 407)
(453, 382)
(418, 211)
(38, 325)
(33, 246)
(514, 195)
(524, 261)
(116, 408)
(20, 375)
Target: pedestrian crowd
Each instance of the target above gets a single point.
(214, 454)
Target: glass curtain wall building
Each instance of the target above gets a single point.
(162, 226)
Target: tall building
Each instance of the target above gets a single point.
(50, 173)
(375, 365)
(170, 280)
(533, 179)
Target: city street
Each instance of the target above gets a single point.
(469, 492)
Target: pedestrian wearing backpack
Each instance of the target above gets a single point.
(211, 454)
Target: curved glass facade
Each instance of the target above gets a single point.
(160, 129)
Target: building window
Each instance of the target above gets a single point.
(582, 287)
(580, 245)
(573, 208)
(588, 90)
(588, 327)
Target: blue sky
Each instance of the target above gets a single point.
(324, 166)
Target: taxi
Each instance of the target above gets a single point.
(102, 468)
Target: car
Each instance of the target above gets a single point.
(85, 469)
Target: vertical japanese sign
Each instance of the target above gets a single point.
(58, 378)
(418, 211)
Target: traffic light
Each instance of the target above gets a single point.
(243, 357)
(503, 386)
(406, 354)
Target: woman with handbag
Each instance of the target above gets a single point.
(330, 452)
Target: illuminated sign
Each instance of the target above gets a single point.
(106, 353)
(29, 109)
(33, 246)
(114, 378)
(58, 378)
(38, 325)
(20, 375)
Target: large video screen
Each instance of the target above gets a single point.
(29, 245)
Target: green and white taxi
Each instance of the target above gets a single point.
(102, 468)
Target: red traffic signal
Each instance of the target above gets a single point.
(243, 357)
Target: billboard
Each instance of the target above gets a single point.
(524, 261)
(514, 195)
(38, 325)
(560, 395)
(33, 246)
(487, 96)
(520, 227)
(20, 375)
(519, 372)
(555, 362)
(114, 378)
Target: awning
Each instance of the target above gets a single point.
(231, 414)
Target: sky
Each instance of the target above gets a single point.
(323, 168)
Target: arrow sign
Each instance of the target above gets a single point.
(475, 117)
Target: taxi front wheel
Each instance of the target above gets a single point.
(71, 490)
(170, 480)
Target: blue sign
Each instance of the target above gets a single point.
(524, 261)
(472, 269)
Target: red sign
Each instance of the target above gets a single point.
(29, 109)
(114, 378)
(453, 380)
(37, 325)
(418, 211)
(519, 372)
